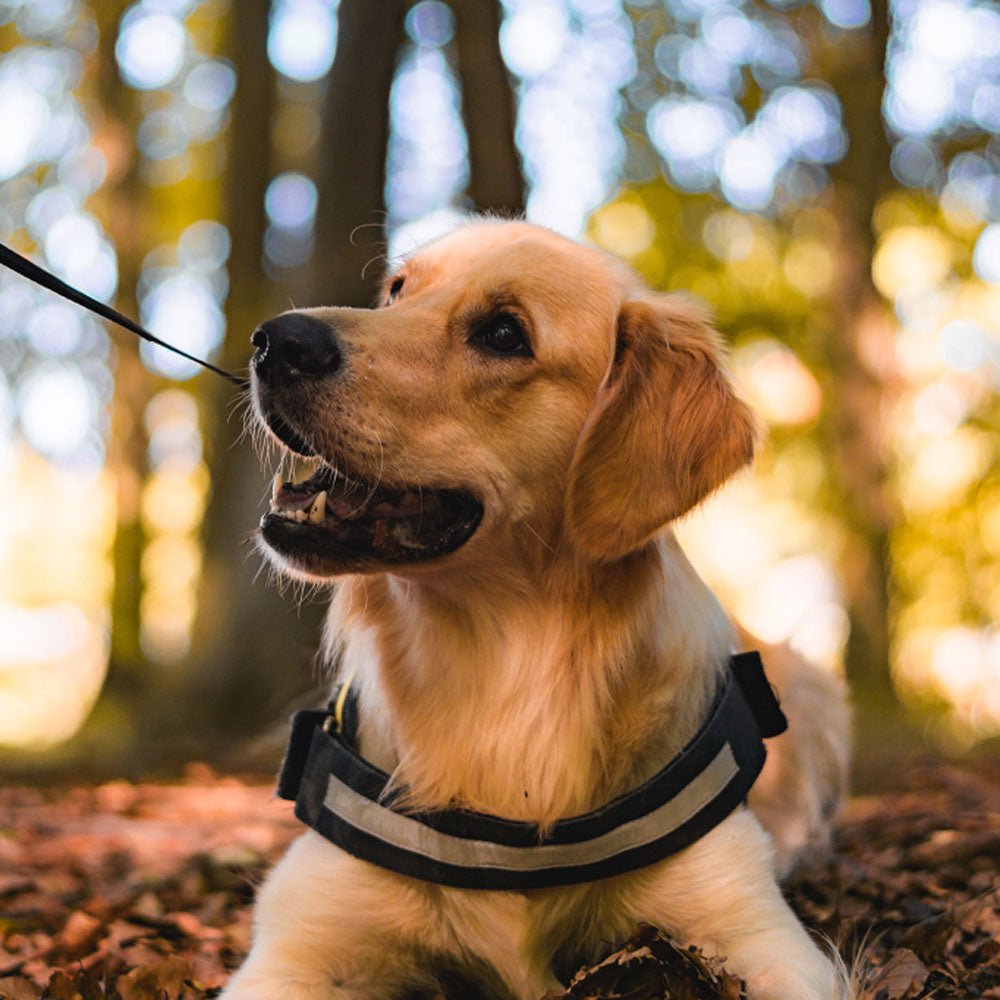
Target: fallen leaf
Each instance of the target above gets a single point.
(62, 987)
(79, 930)
(18, 988)
(156, 982)
(900, 975)
(930, 938)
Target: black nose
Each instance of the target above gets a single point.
(294, 345)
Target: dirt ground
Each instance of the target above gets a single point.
(144, 892)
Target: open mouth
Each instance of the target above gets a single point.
(331, 524)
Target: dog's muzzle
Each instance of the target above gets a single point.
(337, 520)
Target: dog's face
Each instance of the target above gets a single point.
(510, 384)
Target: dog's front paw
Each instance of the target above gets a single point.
(250, 987)
(828, 981)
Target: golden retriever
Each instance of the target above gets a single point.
(501, 447)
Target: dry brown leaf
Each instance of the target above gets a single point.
(18, 988)
(154, 982)
(62, 987)
(930, 938)
(79, 930)
(901, 974)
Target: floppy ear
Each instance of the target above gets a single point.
(666, 430)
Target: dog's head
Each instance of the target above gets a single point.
(511, 388)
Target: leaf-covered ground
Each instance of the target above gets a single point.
(143, 892)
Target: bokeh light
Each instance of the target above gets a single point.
(56, 329)
(430, 23)
(151, 47)
(986, 256)
(78, 252)
(847, 13)
(210, 85)
(58, 410)
(25, 115)
(690, 134)
(181, 310)
(624, 228)
(533, 37)
(173, 503)
(302, 38)
(427, 163)
(943, 66)
(572, 62)
(290, 202)
(781, 388)
(54, 624)
(52, 662)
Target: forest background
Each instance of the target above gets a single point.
(825, 174)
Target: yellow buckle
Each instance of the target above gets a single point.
(337, 719)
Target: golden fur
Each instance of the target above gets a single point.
(564, 652)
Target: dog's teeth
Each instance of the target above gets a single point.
(276, 488)
(318, 509)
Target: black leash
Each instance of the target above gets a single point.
(40, 276)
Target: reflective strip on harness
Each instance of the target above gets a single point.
(407, 833)
(349, 801)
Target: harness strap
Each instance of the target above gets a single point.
(353, 803)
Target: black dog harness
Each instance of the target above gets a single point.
(349, 801)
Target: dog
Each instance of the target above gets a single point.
(501, 446)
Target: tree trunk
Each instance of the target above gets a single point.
(861, 379)
(252, 650)
(496, 183)
(127, 445)
(350, 217)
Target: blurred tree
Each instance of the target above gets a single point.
(128, 674)
(252, 648)
(496, 183)
(354, 137)
(858, 345)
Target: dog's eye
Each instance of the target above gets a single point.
(502, 335)
(396, 287)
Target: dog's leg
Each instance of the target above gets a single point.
(324, 924)
(721, 894)
(806, 775)
(330, 927)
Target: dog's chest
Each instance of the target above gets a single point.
(523, 736)
(501, 758)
